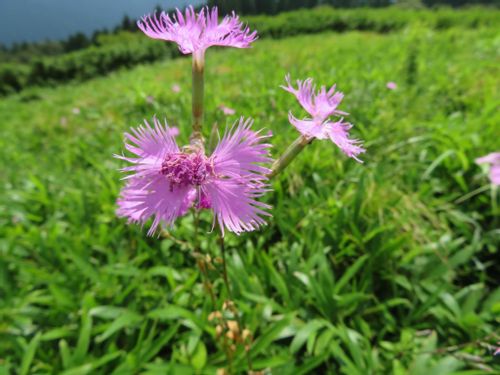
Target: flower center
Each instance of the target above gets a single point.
(186, 169)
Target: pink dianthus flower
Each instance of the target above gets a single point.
(195, 32)
(226, 110)
(176, 88)
(166, 181)
(493, 160)
(174, 131)
(321, 105)
(391, 85)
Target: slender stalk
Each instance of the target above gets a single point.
(494, 206)
(472, 194)
(224, 268)
(230, 295)
(201, 263)
(454, 348)
(290, 153)
(206, 281)
(196, 220)
(205, 278)
(197, 102)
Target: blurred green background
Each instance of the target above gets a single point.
(386, 267)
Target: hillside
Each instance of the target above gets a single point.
(381, 267)
(42, 65)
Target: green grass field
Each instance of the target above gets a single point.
(386, 267)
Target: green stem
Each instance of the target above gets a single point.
(198, 92)
(202, 266)
(224, 268)
(226, 283)
(230, 295)
(290, 153)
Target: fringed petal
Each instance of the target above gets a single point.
(241, 151)
(339, 134)
(197, 31)
(150, 145)
(143, 199)
(234, 204)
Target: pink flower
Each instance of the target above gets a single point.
(195, 32)
(174, 131)
(391, 85)
(176, 88)
(493, 160)
(166, 181)
(321, 105)
(226, 110)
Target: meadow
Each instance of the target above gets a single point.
(385, 267)
(50, 64)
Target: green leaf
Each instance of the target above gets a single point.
(269, 335)
(127, 319)
(29, 354)
(164, 339)
(90, 368)
(65, 354)
(278, 281)
(82, 345)
(272, 361)
(57, 333)
(304, 332)
(173, 312)
(350, 273)
(199, 357)
(107, 312)
(311, 364)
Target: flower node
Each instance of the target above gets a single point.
(183, 169)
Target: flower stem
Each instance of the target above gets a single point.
(290, 153)
(197, 103)
(206, 281)
(200, 262)
(230, 295)
(224, 267)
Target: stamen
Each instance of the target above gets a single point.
(186, 169)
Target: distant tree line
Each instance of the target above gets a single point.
(111, 51)
(277, 6)
(24, 52)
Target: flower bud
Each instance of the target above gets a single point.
(218, 330)
(214, 315)
(233, 326)
(246, 334)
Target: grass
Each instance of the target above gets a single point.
(386, 267)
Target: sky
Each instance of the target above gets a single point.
(35, 20)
